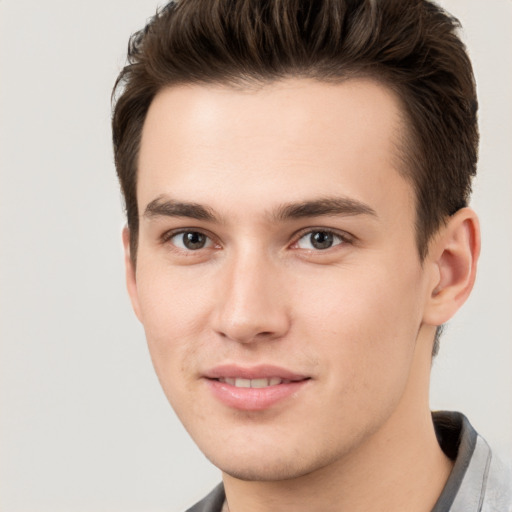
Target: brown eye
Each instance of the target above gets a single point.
(191, 240)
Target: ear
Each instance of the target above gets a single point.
(130, 273)
(453, 257)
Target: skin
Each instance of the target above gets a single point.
(357, 318)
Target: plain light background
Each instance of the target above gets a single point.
(84, 425)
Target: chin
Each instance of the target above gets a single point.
(271, 466)
(264, 471)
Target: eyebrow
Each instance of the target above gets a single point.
(323, 207)
(162, 207)
(167, 207)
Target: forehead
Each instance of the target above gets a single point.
(288, 138)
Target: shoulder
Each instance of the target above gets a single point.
(480, 480)
(487, 485)
(497, 486)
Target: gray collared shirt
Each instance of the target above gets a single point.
(479, 481)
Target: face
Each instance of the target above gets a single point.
(277, 278)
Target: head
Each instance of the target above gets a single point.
(239, 128)
(410, 47)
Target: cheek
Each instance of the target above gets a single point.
(364, 324)
(174, 308)
(360, 301)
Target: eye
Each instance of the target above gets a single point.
(319, 240)
(190, 240)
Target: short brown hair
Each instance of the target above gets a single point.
(410, 45)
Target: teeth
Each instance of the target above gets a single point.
(242, 383)
(252, 383)
(260, 383)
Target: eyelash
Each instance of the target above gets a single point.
(169, 235)
(343, 237)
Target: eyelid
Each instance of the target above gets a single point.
(345, 237)
(168, 235)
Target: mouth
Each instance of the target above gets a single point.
(240, 382)
(256, 388)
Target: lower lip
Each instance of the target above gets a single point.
(254, 399)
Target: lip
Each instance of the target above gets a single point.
(253, 399)
(263, 371)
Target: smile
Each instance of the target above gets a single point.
(240, 382)
(254, 388)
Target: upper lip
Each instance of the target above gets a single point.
(263, 371)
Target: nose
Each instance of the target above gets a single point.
(252, 304)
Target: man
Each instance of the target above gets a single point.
(296, 177)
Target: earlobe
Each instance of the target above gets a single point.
(453, 255)
(130, 274)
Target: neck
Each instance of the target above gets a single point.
(400, 467)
